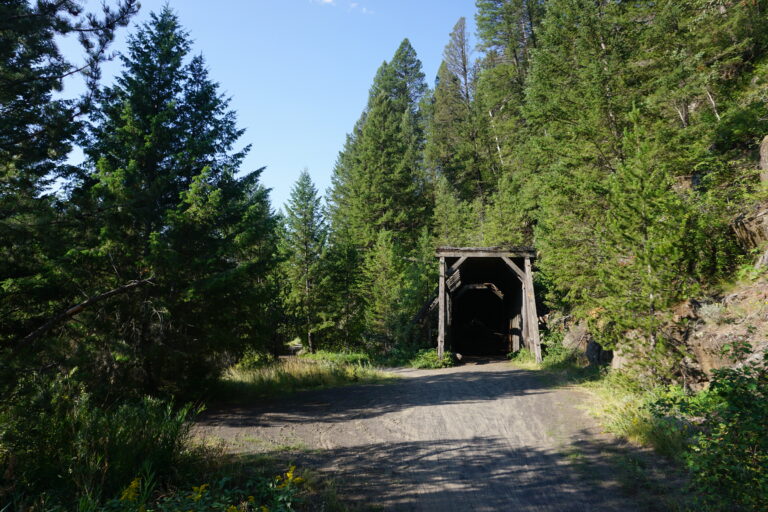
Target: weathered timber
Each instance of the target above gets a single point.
(441, 311)
(486, 252)
(480, 286)
(533, 318)
(431, 304)
(518, 271)
(521, 317)
(764, 160)
(454, 282)
(457, 264)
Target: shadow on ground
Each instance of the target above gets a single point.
(481, 474)
(481, 437)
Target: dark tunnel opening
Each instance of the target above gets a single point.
(486, 308)
(479, 324)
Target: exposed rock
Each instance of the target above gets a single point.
(619, 359)
(577, 337)
(596, 354)
(688, 310)
(751, 230)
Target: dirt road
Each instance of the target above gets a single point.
(479, 437)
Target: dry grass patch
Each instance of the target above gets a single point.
(289, 375)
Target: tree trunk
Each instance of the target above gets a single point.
(764, 160)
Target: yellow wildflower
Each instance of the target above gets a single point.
(131, 492)
(232, 508)
(198, 492)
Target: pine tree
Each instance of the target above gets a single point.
(382, 289)
(37, 132)
(305, 240)
(378, 182)
(173, 209)
(454, 147)
(643, 266)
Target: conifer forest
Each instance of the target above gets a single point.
(626, 141)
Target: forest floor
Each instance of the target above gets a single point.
(482, 436)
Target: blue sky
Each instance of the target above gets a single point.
(299, 71)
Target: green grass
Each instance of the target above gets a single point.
(290, 375)
(425, 358)
(357, 358)
(625, 409)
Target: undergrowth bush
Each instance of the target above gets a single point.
(427, 359)
(719, 434)
(409, 356)
(240, 493)
(58, 444)
(729, 455)
(630, 411)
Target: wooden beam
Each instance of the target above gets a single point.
(533, 318)
(486, 252)
(457, 264)
(518, 271)
(454, 281)
(441, 311)
(481, 286)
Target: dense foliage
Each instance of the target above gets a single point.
(618, 137)
(127, 281)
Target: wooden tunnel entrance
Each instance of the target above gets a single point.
(485, 301)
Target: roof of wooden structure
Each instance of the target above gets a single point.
(486, 252)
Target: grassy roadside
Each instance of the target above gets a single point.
(290, 375)
(703, 451)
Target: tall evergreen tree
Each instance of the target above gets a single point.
(36, 136)
(455, 147)
(173, 210)
(379, 181)
(305, 237)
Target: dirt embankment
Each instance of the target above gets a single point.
(481, 437)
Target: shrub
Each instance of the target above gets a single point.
(729, 457)
(522, 357)
(629, 410)
(410, 356)
(57, 443)
(253, 493)
(427, 358)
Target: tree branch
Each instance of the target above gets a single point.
(77, 309)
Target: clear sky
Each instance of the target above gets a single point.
(299, 71)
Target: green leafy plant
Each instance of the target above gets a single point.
(729, 456)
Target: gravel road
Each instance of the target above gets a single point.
(483, 436)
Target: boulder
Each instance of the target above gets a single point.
(577, 337)
(751, 230)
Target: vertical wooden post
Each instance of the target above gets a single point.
(533, 317)
(515, 326)
(441, 311)
(524, 338)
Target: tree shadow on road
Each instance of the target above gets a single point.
(366, 401)
(479, 474)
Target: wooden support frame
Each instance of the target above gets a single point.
(533, 317)
(523, 328)
(441, 306)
